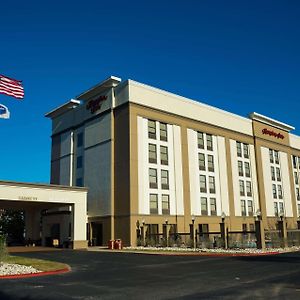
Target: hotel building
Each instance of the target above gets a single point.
(147, 156)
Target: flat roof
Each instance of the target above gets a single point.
(43, 185)
(63, 108)
(270, 121)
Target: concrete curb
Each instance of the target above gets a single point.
(221, 254)
(216, 254)
(18, 276)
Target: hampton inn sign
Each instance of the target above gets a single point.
(272, 133)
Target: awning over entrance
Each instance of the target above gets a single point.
(49, 210)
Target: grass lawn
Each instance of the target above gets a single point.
(39, 264)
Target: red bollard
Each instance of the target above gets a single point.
(111, 244)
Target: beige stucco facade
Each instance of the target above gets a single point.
(112, 160)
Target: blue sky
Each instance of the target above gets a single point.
(241, 56)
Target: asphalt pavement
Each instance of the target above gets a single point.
(108, 275)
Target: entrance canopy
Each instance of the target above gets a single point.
(45, 203)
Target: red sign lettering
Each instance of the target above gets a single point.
(272, 133)
(94, 105)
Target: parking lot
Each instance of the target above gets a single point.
(108, 275)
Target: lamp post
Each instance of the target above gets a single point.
(143, 232)
(138, 232)
(167, 233)
(282, 228)
(193, 231)
(259, 232)
(222, 229)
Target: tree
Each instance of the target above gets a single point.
(12, 224)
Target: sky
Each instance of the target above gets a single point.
(240, 56)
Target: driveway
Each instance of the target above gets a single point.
(107, 275)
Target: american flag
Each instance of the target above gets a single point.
(11, 87)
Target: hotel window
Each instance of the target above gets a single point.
(278, 174)
(242, 188)
(201, 161)
(243, 208)
(248, 187)
(163, 155)
(163, 132)
(213, 206)
(271, 156)
(279, 191)
(240, 166)
(151, 129)
(273, 173)
(281, 210)
(210, 163)
(79, 182)
(209, 142)
(244, 228)
(295, 162)
(79, 162)
(250, 208)
(246, 150)
(298, 209)
(202, 184)
(276, 155)
(239, 149)
(164, 179)
(204, 206)
(153, 204)
(152, 154)
(247, 169)
(153, 178)
(200, 140)
(298, 194)
(212, 186)
(203, 229)
(274, 191)
(165, 202)
(296, 178)
(80, 139)
(276, 209)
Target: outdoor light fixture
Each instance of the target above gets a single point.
(258, 215)
(193, 219)
(166, 221)
(143, 222)
(281, 216)
(223, 216)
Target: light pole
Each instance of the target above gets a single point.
(222, 229)
(259, 233)
(167, 234)
(193, 228)
(143, 232)
(282, 227)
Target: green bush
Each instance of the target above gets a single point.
(3, 249)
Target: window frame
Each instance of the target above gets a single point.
(151, 130)
(164, 186)
(153, 211)
(152, 160)
(163, 161)
(153, 185)
(163, 130)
